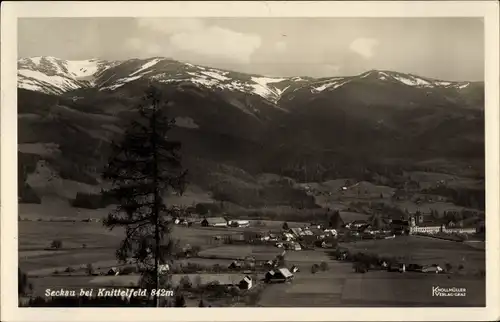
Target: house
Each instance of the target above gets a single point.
(281, 275)
(414, 268)
(296, 231)
(432, 269)
(239, 223)
(288, 237)
(426, 228)
(270, 263)
(163, 269)
(394, 267)
(246, 283)
(332, 232)
(235, 265)
(317, 232)
(327, 244)
(113, 271)
(307, 232)
(296, 246)
(214, 222)
(316, 225)
(356, 224)
(273, 237)
(460, 230)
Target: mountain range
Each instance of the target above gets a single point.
(309, 129)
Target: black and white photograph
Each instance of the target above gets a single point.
(252, 161)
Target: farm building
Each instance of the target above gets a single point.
(357, 224)
(214, 222)
(113, 271)
(234, 265)
(278, 276)
(432, 269)
(246, 283)
(297, 231)
(239, 223)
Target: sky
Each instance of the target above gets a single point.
(443, 48)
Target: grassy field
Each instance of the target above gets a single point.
(341, 287)
(36, 237)
(424, 250)
(260, 252)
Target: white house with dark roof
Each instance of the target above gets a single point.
(246, 283)
(280, 275)
(239, 223)
(214, 222)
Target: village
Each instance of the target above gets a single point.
(240, 259)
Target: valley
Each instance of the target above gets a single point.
(377, 147)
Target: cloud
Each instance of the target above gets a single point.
(188, 37)
(170, 25)
(333, 69)
(280, 46)
(218, 43)
(134, 43)
(364, 47)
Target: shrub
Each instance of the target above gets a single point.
(185, 283)
(360, 267)
(197, 281)
(180, 301)
(89, 269)
(323, 266)
(23, 284)
(27, 194)
(69, 269)
(448, 267)
(84, 245)
(314, 268)
(88, 201)
(56, 244)
(128, 270)
(260, 223)
(281, 260)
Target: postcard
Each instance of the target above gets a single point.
(250, 161)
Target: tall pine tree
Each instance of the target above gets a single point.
(143, 167)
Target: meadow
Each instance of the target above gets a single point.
(340, 286)
(424, 250)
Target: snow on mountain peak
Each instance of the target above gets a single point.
(56, 76)
(332, 83)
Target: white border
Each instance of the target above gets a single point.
(12, 10)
